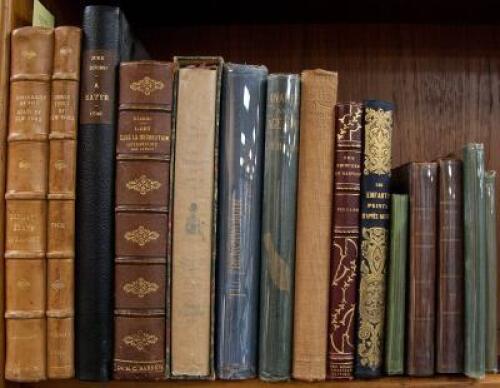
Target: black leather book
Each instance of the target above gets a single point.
(107, 41)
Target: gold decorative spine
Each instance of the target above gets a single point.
(61, 203)
(26, 208)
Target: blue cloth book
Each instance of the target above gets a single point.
(238, 242)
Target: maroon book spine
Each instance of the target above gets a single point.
(345, 244)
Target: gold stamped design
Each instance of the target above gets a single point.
(24, 164)
(350, 124)
(147, 85)
(60, 165)
(29, 54)
(140, 340)
(372, 296)
(65, 50)
(58, 285)
(23, 284)
(141, 236)
(378, 131)
(140, 287)
(143, 185)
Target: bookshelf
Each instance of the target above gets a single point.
(438, 61)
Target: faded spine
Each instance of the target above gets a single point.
(26, 195)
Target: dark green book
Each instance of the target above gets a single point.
(475, 261)
(396, 286)
(278, 226)
(491, 281)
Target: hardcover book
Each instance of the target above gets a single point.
(491, 278)
(375, 212)
(475, 260)
(13, 14)
(142, 231)
(419, 181)
(396, 286)
(450, 298)
(194, 206)
(107, 41)
(239, 219)
(314, 222)
(278, 226)
(345, 236)
(26, 207)
(61, 204)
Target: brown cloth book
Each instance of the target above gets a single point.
(26, 208)
(345, 247)
(142, 223)
(314, 223)
(420, 182)
(61, 204)
(450, 297)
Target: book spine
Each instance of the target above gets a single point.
(375, 212)
(238, 244)
(420, 356)
(491, 280)
(474, 260)
(450, 299)
(193, 233)
(142, 227)
(26, 207)
(396, 286)
(102, 37)
(61, 203)
(278, 226)
(345, 238)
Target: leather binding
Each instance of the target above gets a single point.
(13, 14)
(314, 223)
(375, 222)
(278, 226)
(474, 260)
(107, 41)
(450, 298)
(345, 237)
(61, 204)
(26, 203)
(420, 182)
(491, 276)
(396, 286)
(195, 207)
(142, 223)
(239, 219)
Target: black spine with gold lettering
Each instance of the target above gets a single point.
(375, 205)
(106, 42)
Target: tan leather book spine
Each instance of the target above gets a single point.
(314, 221)
(61, 204)
(142, 232)
(13, 13)
(193, 234)
(26, 207)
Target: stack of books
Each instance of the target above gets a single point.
(196, 219)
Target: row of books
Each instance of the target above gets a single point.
(205, 246)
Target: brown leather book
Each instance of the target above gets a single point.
(193, 227)
(26, 208)
(345, 247)
(314, 223)
(420, 181)
(61, 204)
(13, 14)
(142, 223)
(450, 299)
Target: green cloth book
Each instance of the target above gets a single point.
(475, 261)
(396, 286)
(491, 280)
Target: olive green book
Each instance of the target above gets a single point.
(475, 261)
(491, 280)
(396, 286)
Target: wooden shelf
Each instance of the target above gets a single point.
(388, 382)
